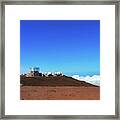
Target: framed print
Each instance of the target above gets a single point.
(60, 59)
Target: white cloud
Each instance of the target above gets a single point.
(95, 79)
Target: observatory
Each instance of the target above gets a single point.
(33, 72)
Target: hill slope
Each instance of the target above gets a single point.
(53, 81)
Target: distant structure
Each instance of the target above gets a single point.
(34, 72)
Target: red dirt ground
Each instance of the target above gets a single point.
(59, 93)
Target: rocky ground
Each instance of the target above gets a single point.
(57, 88)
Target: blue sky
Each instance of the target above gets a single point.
(69, 46)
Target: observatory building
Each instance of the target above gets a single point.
(34, 72)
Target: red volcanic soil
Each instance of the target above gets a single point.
(57, 88)
(59, 93)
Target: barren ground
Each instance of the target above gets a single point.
(59, 93)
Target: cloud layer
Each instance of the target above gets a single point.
(95, 79)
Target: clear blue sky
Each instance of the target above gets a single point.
(69, 46)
